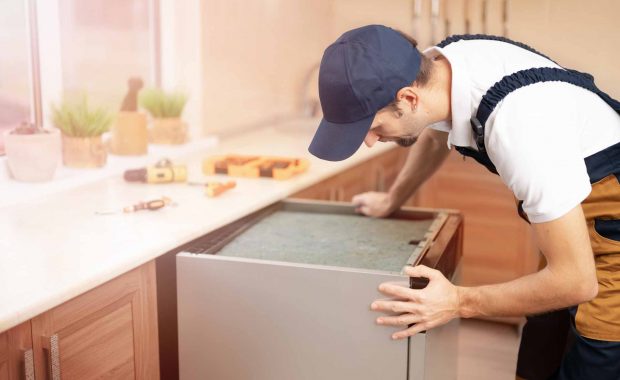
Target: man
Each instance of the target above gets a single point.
(553, 138)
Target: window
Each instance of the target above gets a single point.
(103, 43)
(15, 85)
(65, 49)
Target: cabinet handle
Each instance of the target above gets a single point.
(28, 365)
(54, 357)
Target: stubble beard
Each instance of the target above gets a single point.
(406, 141)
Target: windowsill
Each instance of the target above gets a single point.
(14, 192)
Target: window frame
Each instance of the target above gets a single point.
(174, 65)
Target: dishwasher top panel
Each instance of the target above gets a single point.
(325, 234)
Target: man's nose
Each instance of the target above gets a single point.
(371, 139)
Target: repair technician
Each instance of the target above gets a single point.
(551, 135)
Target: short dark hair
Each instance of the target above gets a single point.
(425, 72)
(426, 66)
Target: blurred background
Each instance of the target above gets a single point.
(245, 62)
(248, 64)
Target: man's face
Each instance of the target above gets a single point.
(400, 125)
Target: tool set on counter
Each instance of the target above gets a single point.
(255, 166)
(165, 171)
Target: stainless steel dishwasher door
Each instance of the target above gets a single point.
(263, 320)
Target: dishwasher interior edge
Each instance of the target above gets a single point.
(285, 293)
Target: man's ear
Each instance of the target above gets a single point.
(407, 97)
(371, 138)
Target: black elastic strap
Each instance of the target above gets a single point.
(513, 82)
(486, 37)
(523, 78)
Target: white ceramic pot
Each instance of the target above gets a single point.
(33, 158)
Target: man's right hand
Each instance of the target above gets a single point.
(373, 203)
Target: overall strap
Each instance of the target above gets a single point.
(521, 79)
(513, 82)
(486, 37)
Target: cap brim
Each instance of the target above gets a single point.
(337, 142)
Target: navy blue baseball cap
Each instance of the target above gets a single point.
(360, 73)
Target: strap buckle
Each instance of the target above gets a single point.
(478, 129)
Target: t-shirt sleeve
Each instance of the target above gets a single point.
(534, 144)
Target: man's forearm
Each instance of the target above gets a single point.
(423, 160)
(568, 279)
(535, 293)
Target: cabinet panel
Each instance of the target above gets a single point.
(101, 347)
(4, 356)
(387, 166)
(109, 332)
(326, 190)
(354, 181)
(16, 360)
(344, 185)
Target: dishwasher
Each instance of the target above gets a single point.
(285, 293)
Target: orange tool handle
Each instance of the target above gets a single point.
(214, 189)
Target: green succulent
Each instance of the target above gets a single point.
(162, 104)
(79, 120)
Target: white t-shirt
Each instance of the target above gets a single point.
(539, 135)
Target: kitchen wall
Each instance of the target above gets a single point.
(584, 35)
(259, 54)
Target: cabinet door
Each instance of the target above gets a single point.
(387, 166)
(356, 180)
(325, 191)
(109, 332)
(16, 355)
(371, 175)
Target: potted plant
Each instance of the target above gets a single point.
(166, 109)
(32, 153)
(82, 127)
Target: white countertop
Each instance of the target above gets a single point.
(56, 248)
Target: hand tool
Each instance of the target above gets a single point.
(214, 189)
(162, 172)
(151, 205)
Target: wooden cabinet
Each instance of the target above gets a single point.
(109, 332)
(16, 355)
(376, 174)
(498, 245)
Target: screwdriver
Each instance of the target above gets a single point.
(151, 205)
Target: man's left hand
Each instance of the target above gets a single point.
(424, 309)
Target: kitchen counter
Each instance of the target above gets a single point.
(56, 248)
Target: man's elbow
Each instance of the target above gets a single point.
(587, 290)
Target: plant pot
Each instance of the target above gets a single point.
(129, 134)
(169, 130)
(83, 152)
(32, 158)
